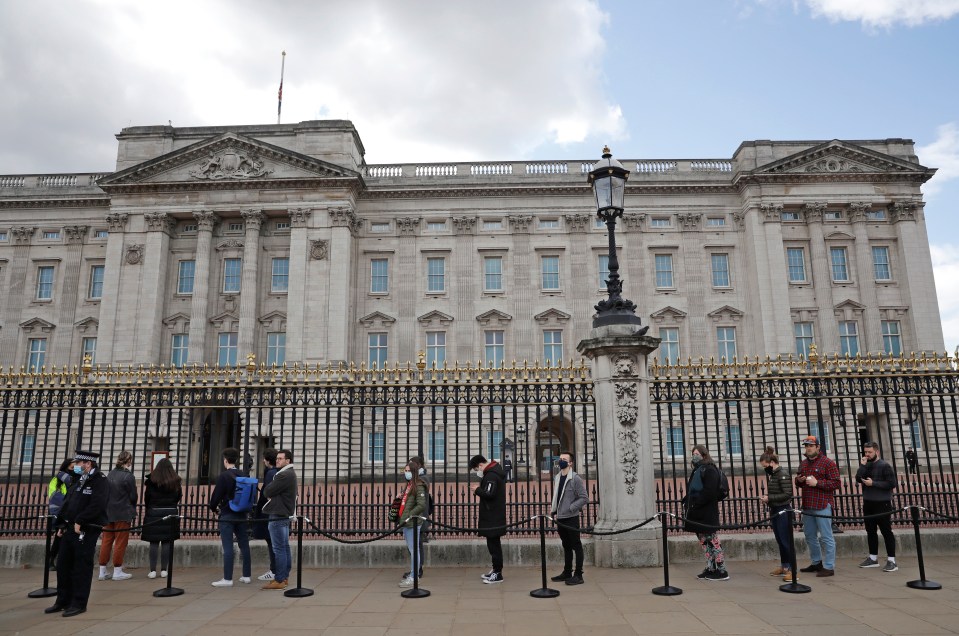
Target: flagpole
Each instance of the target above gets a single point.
(279, 104)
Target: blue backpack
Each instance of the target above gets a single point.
(244, 496)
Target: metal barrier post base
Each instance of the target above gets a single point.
(415, 593)
(298, 592)
(921, 584)
(43, 592)
(46, 591)
(544, 592)
(795, 588)
(667, 590)
(168, 591)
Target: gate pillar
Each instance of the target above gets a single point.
(627, 487)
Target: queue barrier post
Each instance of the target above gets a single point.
(299, 591)
(169, 590)
(46, 590)
(921, 583)
(544, 591)
(665, 589)
(416, 591)
(793, 587)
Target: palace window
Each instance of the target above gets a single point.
(435, 349)
(880, 263)
(720, 267)
(377, 350)
(36, 354)
(664, 271)
(849, 338)
(89, 348)
(726, 339)
(549, 266)
(185, 275)
(553, 347)
(226, 349)
(493, 273)
(276, 348)
(891, 337)
(96, 281)
(603, 270)
(232, 275)
(803, 334)
(670, 344)
(840, 265)
(436, 274)
(495, 348)
(180, 350)
(379, 276)
(45, 282)
(280, 280)
(796, 262)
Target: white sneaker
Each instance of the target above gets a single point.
(122, 576)
(245, 579)
(407, 582)
(105, 577)
(152, 574)
(163, 573)
(268, 576)
(488, 574)
(222, 583)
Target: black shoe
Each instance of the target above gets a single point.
(562, 576)
(576, 579)
(717, 575)
(812, 567)
(53, 609)
(409, 575)
(703, 574)
(836, 529)
(73, 611)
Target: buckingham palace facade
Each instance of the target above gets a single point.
(207, 244)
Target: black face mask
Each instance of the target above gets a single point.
(769, 470)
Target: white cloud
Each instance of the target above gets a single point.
(885, 13)
(943, 154)
(426, 81)
(945, 264)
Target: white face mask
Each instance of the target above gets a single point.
(479, 473)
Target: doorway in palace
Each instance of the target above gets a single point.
(554, 433)
(220, 429)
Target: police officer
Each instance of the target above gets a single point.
(80, 520)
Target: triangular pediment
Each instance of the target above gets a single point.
(494, 317)
(226, 320)
(435, 317)
(551, 315)
(840, 236)
(726, 313)
(87, 324)
(836, 157)
(377, 318)
(850, 304)
(227, 158)
(667, 314)
(178, 317)
(37, 324)
(270, 317)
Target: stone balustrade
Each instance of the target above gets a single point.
(46, 181)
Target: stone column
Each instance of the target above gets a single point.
(199, 309)
(871, 336)
(249, 290)
(339, 319)
(73, 285)
(528, 285)
(150, 331)
(827, 340)
(296, 291)
(916, 268)
(17, 296)
(586, 283)
(409, 277)
(769, 308)
(627, 485)
(106, 331)
(461, 346)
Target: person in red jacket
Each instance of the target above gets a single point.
(818, 478)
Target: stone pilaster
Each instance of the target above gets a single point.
(339, 318)
(627, 485)
(249, 290)
(916, 276)
(763, 241)
(411, 283)
(527, 284)
(73, 285)
(17, 296)
(199, 309)
(156, 259)
(871, 336)
(296, 291)
(106, 332)
(827, 339)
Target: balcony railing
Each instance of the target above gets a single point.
(48, 181)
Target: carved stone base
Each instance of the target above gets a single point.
(638, 549)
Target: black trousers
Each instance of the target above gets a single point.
(495, 547)
(884, 524)
(571, 544)
(780, 524)
(75, 568)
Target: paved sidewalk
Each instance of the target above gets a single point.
(367, 602)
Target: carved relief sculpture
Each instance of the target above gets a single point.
(253, 218)
(75, 233)
(159, 222)
(117, 221)
(134, 254)
(772, 212)
(319, 249)
(464, 224)
(739, 218)
(627, 409)
(300, 216)
(23, 234)
(689, 221)
(205, 220)
(408, 225)
(345, 217)
(857, 212)
(812, 212)
(230, 164)
(520, 223)
(629, 458)
(634, 221)
(902, 211)
(833, 164)
(577, 222)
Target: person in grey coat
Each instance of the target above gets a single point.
(569, 498)
(878, 480)
(280, 506)
(121, 509)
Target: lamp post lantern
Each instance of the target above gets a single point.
(608, 180)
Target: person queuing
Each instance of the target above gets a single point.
(425, 527)
(80, 521)
(779, 492)
(56, 493)
(163, 491)
(279, 507)
(121, 509)
(818, 478)
(414, 503)
(261, 528)
(492, 511)
(569, 498)
(878, 480)
(231, 523)
(701, 512)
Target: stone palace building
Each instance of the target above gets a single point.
(209, 243)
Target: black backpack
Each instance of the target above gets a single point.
(723, 485)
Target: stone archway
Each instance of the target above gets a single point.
(554, 433)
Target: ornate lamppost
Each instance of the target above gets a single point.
(608, 179)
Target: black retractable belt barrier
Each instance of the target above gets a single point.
(665, 589)
(793, 587)
(543, 592)
(416, 591)
(169, 590)
(921, 583)
(299, 591)
(46, 590)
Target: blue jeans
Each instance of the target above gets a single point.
(280, 537)
(231, 526)
(408, 535)
(821, 526)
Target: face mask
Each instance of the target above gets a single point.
(408, 475)
(769, 470)
(697, 460)
(479, 473)
(422, 471)
(78, 469)
(563, 464)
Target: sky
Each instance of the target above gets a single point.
(439, 80)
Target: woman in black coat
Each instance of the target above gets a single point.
(701, 512)
(164, 488)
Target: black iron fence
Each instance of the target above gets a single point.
(907, 405)
(351, 430)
